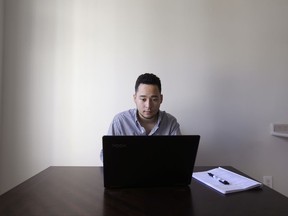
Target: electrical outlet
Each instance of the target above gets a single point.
(267, 180)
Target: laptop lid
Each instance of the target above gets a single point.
(149, 161)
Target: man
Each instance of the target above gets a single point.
(146, 118)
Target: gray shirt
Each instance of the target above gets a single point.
(126, 123)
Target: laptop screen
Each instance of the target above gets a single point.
(149, 161)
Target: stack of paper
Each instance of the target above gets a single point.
(225, 181)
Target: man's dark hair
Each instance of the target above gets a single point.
(149, 79)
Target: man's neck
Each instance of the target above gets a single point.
(144, 120)
(148, 124)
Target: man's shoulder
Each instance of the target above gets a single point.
(127, 114)
(164, 114)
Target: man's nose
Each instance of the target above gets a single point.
(148, 103)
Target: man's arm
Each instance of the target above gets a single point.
(175, 128)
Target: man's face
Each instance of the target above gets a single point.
(148, 100)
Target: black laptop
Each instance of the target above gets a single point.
(149, 161)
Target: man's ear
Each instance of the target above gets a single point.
(161, 98)
(134, 97)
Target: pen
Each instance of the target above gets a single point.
(219, 179)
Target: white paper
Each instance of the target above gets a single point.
(236, 182)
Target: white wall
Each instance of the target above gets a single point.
(70, 65)
(1, 53)
(27, 95)
(1, 71)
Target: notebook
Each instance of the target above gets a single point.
(149, 161)
(216, 178)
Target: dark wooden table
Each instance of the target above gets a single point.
(80, 191)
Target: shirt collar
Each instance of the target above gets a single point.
(160, 115)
